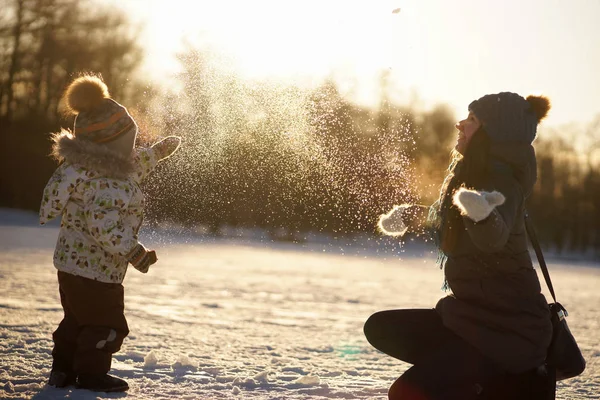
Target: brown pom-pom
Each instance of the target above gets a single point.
(85, 93)
(540, 106)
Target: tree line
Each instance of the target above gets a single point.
(282, 158)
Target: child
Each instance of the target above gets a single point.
(96, 191)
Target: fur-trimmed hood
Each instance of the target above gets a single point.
(92, 156)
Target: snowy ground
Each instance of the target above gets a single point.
(228, 319)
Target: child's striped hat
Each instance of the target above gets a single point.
(99, 118)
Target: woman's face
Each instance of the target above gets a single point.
(466, 129)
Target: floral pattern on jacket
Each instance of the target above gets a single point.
(101, 211)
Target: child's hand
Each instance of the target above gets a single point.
(142, 259)
(167, 146)
(475, 204)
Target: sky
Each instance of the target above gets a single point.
(435, 51)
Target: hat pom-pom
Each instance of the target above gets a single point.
(540, 106)
(85, 93)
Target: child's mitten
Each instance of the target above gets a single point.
(477, 205)
(141, 259)
(167, 146)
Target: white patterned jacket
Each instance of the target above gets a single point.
(97, 193)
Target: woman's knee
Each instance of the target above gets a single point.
(373, 326)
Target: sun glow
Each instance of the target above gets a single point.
(434, 51)
(304, 41)
(269, 37)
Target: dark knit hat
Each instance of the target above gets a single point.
(508, 117)
(99, 118)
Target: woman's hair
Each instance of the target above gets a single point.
(475, 163)
(470, 170)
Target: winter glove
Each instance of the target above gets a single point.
(477, 205)
(167, 146)
(393, 223)
(141, 259)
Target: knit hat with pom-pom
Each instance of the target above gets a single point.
(508, 117)
(99, 118)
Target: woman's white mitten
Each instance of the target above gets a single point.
(475, 204)
(392, 224)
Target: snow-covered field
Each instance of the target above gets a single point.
(233, 319)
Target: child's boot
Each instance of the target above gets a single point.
(102, 383)
(61, 379)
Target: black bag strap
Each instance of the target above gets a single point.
(538, 253)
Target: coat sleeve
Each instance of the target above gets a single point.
(105, 210)
(146, 159)
(491, 234)
(56, 195)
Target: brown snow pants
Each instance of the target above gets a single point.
(93, 326)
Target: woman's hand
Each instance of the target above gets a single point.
(477, 205)
(402, 218)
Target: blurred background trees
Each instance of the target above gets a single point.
(565, 201)
(43, 45)
(256, 154)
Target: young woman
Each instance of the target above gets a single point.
(488, 338)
